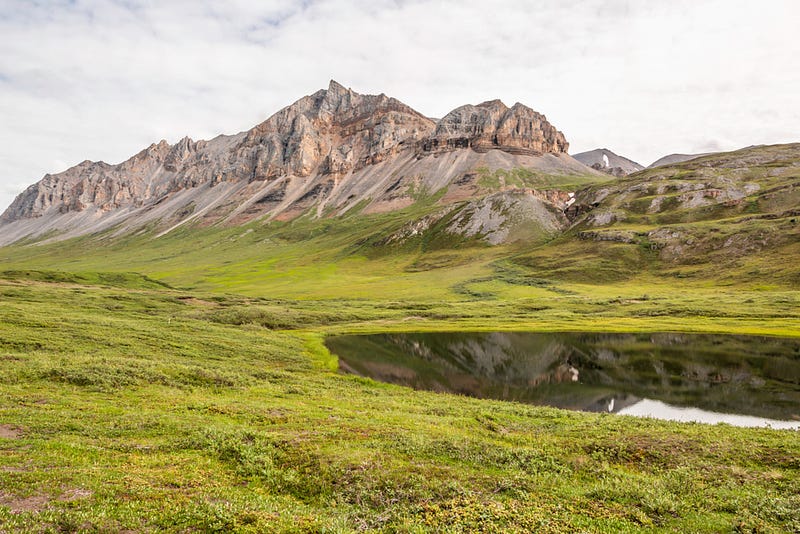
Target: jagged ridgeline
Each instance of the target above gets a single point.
(328, 154)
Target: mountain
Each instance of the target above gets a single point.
(675, 158)
(324, 155)
(602, 159)
(376, 178)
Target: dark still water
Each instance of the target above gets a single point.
(740, 380)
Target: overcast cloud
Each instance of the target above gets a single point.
(100, 80)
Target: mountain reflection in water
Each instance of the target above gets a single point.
(720, 377)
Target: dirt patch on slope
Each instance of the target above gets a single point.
(34, 503)
(37, 503)
(10, 432)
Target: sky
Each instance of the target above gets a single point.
(102, 79)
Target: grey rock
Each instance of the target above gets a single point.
(492, 125)
(602, 159)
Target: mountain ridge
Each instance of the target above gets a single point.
(671, 159)
(331, 150)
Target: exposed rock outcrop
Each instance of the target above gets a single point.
(501, 217)
(493, 125)
(149, 176)
(333, 131)
(92, 184)
(509, 216)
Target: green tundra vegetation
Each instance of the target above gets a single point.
(181, 384)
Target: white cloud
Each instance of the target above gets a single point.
(102, 79)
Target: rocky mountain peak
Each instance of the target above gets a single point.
(156, 151)
(495, 104)
(493, 125)
(339, 104)
(178, 153)
(604, 160)
(338, 98)
(333, 131)
(335, 87)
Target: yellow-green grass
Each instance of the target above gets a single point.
(130, 406)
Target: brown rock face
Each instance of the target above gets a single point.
(103, 186)
(493, 125)
(333, 131)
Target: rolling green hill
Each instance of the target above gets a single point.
(730, 218)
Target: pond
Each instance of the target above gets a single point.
(739, 380)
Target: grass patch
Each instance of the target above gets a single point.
(181, 410)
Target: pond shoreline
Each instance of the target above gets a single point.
(735, 379)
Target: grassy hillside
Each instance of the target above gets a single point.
(180, 383)
(730, 218)
(128, 406)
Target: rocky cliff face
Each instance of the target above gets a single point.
(333, 131)
(493, 125)
(328, 151)
(96, 184)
